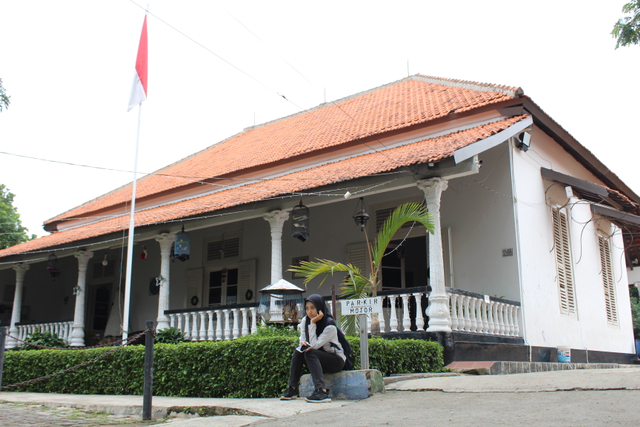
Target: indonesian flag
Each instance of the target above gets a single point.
(139, 88)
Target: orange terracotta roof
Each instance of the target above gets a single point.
(434, 149)
(414, 100)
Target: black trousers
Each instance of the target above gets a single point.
(319, 362)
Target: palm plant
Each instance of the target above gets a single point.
(356, 283)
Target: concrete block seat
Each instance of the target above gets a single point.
(347, 385)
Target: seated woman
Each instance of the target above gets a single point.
(319, 349)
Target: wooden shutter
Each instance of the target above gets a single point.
(247, 281)
(358, 255)
(223, 249)
(607, 280)
(194, 288)
(564, 266)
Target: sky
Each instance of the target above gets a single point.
(217, 67)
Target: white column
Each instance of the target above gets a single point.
(77, 335)
(276, 219)
(438, 309)
(17, 305)
(165, 240)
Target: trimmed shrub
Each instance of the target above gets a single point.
(248, 367)
(44, 339)
(169, 336)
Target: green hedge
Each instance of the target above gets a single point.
(248, 367)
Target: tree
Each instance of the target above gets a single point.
(627, 29)
(11, 230)
(4, 98)
(356, 284)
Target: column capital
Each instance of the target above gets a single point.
(165, 240)
(83, 259)
(433, 187)
(276, 218)
(21, 267)
(83, 255)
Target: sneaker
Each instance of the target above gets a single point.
(289, 394)
(319, 396)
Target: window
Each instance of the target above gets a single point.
(223, 286)
(564, 269)
(607, 279)
(405, 264)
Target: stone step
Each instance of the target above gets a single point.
(347, 385)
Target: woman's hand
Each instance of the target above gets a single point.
(318, 317)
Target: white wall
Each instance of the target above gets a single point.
(479, 210)
(544, 324)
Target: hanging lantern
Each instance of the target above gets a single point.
(104, 261)
(52, 266)
(143, 254)
(300, 225)
(360, 215)
(281, 302)
(182, 247)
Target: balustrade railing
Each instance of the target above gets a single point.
(404, 311)
(483, 314)
(61, 329)
(215, 324)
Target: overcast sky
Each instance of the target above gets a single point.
(218, 67)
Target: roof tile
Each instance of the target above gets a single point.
(411, 101)
(433, 149)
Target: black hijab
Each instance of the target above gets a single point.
(318, 302)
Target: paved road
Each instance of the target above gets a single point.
(432, 408)
(589, 398)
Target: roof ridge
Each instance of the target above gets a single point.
(327, 103)
(468, 84)
(512, 91)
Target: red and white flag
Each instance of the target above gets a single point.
(139, 88)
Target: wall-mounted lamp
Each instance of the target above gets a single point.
(523, 141)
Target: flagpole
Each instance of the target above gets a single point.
(132, 223)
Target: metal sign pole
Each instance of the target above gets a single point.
(364, 342)
(148, 373)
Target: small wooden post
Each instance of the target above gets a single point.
(148, 373)
(334, 304)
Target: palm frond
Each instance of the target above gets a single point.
(408, 212)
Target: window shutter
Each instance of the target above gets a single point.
(247, 281)
(563, 262)
(607, 280)
(194, 288)
(357, 255)
(223, 249)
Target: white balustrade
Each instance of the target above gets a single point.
(215, 325)
(61, 329)
(480, 314)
